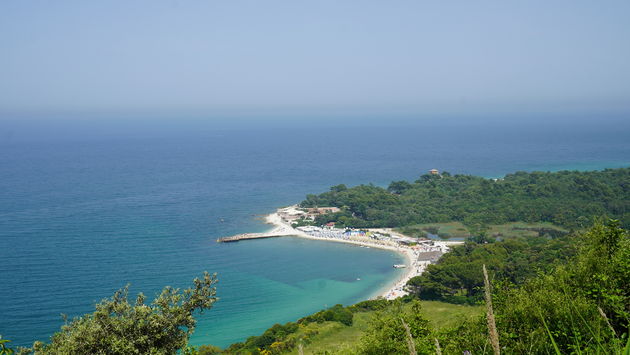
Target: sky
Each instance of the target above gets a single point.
(96, 60)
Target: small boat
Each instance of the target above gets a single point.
(400, 266)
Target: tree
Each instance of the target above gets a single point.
(579, 307)
(559, 198)
(118, 327)
(339, 188)
(601, 271)
(202, 350)
(398, 187)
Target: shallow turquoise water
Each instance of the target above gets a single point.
(82, 218)
(294, 274)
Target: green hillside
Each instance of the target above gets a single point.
(579, 305)
(567, 198)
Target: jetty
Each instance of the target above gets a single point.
(246, 236)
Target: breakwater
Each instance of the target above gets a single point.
(246, 236)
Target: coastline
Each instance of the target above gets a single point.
(393, 289)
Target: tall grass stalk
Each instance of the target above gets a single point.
(438, 350)
(492, 327)
(601, 312)
(553, 341)
(410, 343)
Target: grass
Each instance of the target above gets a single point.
(444, 230)
(522, 229)
(333, 336)
(336, 336)
(442, 314)
(459, 230)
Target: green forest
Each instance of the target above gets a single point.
(567, 198)
(457, 276)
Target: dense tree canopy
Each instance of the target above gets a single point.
(565, 198)
(582, 305)
(457, 276)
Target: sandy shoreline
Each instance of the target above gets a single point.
(392, 291)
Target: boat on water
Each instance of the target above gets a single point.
(400, 266)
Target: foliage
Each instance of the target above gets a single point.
(4, 349)
(337, 313)
(285, 337)
(579, 307)
(602, 271)
(335, 338)
(119, 327)
(272, 339)
(387, 335)
(202, 350)
(565, 198)
(370, 305)
(457, 276)
(208, 350)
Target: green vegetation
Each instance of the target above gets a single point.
(442, 315)
(511, 230)
(551, 295)
(319, 336)
(335, 314)
(280, 338)
(458, 230)
(457, 276)
(387, 334)
(4, 349)
(333, 337)
(574, 297)
(119, 327)
(566, 198)
(442, 230)
(581, 306)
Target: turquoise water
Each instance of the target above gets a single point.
(80, 218)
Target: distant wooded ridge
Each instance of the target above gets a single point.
(565, 198)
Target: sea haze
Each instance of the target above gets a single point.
(80, 218)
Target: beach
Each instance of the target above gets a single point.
(414, 265)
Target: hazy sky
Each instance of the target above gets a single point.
(204, 57)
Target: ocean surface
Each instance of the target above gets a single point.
(81, 218)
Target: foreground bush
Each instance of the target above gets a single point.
(119, 327)
(581, 307)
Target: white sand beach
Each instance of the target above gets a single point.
(413, 266)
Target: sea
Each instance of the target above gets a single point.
(83, 215)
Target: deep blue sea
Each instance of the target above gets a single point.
(81, 218)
